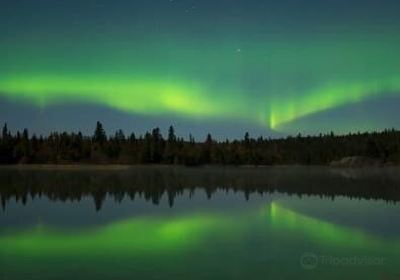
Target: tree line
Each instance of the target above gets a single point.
(153, 148)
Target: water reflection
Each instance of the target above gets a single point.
(132, 236)
(50, 229)
(167, 234)
(282, 218)
(177, 234)
(152, 183)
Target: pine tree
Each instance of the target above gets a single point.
(5, 133)
(171, 135)
(99, 134)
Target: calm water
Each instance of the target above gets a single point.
(204, 223)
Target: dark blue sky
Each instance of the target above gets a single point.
(268, 67)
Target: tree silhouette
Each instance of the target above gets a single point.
(381, 147)
(99, 134)
(5, 132)
(171, 135)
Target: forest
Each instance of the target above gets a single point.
(153, 148)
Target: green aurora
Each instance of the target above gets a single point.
(251, 66)
(325, 232)
(139, 235)
(152, 235)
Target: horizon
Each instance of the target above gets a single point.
(164, 131)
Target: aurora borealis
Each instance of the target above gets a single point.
(242, 241)
(279, 66)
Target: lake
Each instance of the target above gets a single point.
(199, 223)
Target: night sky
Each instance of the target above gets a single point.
(268, 67)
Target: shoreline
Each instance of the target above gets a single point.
(91, 166)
